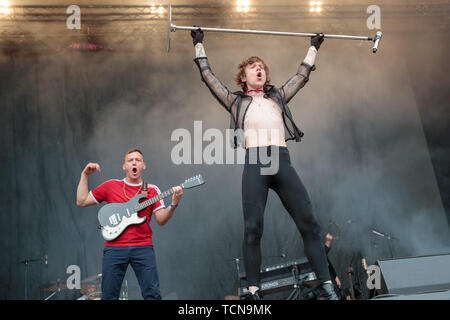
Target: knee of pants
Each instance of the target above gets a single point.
(151, 293)
(311, 230)
(253, 234)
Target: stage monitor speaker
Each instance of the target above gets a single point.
(412, 275)
(437, 295)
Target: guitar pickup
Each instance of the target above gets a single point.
(113, 219)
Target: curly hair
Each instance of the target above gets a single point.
(241, 71)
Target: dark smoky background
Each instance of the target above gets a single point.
(374, 155)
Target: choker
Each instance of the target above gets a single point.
(257, 91)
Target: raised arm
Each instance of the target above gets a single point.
(219, 91)
(298, 81)
(83, 197)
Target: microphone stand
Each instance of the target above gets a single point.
(388, 237)
(125, 291)
(237, 261)
(282, 255)
(26, 262)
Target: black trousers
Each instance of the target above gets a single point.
(288, 186)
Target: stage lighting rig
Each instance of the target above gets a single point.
(243, 6)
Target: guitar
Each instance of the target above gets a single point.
(350, 280)
(114, 218)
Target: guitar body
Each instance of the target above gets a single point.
(114, 218)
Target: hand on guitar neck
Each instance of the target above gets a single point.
(163, 215)
(177, 194)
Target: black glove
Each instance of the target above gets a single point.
(317, 40)
(197, 35)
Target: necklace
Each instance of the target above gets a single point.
(125, 194)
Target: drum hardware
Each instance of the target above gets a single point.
(89, 283)
(55, 286)
(301, 290)
(295, 274)
(124, 290)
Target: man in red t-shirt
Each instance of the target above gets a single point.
(134, 246)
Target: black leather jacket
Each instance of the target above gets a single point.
(237, 103)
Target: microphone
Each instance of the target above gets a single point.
(377, 41)
(378, 233)
(385, 235)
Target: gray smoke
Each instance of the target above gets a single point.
(364, 158)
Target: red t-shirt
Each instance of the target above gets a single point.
(112, 191)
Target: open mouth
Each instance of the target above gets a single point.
(134, 170)
(259, 74)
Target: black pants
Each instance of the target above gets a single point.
(287, 184)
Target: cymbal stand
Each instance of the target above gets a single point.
(125, 291)
(56, 291)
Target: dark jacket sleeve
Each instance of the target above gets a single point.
(225, 97)
(331, 269)
(295, 83)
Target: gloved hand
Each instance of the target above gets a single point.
(317, 40)
(197, 35)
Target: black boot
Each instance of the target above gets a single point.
(255, 296)
(327, 292)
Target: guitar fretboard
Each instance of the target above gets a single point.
(149, 202)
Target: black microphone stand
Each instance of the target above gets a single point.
(388, 237)
(26, 262)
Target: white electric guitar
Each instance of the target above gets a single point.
(114, 218)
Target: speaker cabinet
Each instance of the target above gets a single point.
(413, 275)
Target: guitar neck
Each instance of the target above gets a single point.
(149, 202)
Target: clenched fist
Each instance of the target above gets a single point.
(91, 168)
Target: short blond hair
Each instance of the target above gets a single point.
(133, 150)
